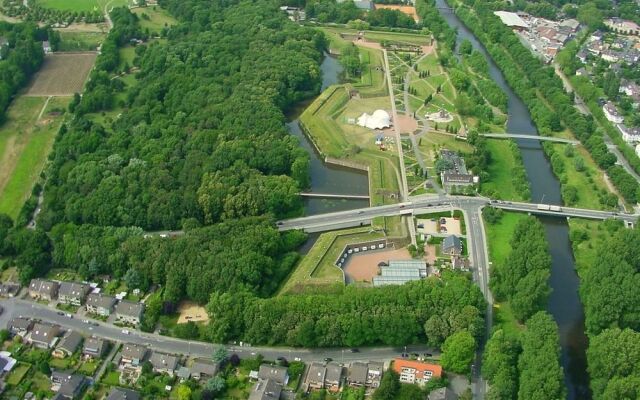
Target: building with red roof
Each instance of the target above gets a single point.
(416, 371)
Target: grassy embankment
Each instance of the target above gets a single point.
(317, 272)
(499, 238)
(25, 142)
(82, 5)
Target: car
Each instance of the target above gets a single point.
(126, 331)
(280, 358)
(328, 359)
(69, 315)
(428, 355)
(416, 355)
(360, 212)
(86, 321)
(60, 313)
(297, 359)
(95, 324)
(355, 350)
(279, 223)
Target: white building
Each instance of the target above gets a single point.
(612, 113)
(629, 135)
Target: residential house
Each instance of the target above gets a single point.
(183, 373)
(164, 363)
(73, 293)
(94, 347)
(274, 372)
(266, 389)
(44, 336)
(415, 371)
(129, 312)
(626, 27)
(100, 304)
(9, 289)
(629, 134)
(316, 375)
(133, 354)
(612, 113)
(333, 377)
(357, 374)
(452, 246)
(43, 289)
(20, 326)
(442, 394)
(374, 374)
(582, 72)
(203, 368)
(68, 344)
(68, 386)
(118, 393)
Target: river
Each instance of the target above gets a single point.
(326, 178)
(564, 302)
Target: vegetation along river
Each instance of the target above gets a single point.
(564, 302)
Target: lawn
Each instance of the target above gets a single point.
(111, 378)
(82, 5)
(591, 233)
(375, 36)
(89, 367)
(80, 41)
(127, 54)
(18, 373)
(154, 19)
(25, 143)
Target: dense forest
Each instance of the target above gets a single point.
(612, 312)
(431, 310)
(332, 11)
(542, 91)
(19, 59)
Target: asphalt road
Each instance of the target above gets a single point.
(18, 307)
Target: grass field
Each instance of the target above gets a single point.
(499, 237)
(584, 251)
(80, 41)
(25, 143)
(82, 5)
(154, 19)
(18, 373)
(503, 162)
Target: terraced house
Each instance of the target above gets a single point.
(41, 289)
(73, 293)
(100, 304)
(129, 312)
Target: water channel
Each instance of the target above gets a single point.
(327, 178)
(564, 302)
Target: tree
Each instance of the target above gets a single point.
(389, 386)
(216, 385)
(590, 15)
(183, 392)
(220, 355)
(466, 47)
(458, 352)
(4, 335)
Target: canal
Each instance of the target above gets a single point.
(327, 178)
(564, 302)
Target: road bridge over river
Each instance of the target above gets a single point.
(419, 205)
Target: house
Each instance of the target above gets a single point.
(164, 363)
(73, 293)
(364, 4)
(415, 371)
(46, 47)
(43, 290)
(44, 336)
(442, 394)
(333, 377)
(623, 26)
(452, 245)
(274, 372)
(582, 72)
(183, 373)
(67, 385)
(203, 368)
(374, 374)
(100, 304)
(629, 135)
(357, 374)
(582, 56)
(9, 289)
(68, 344)
(118, 393)
(316, 375)
(129, 312)
(133, 354)
(94, 347)
(266, 389)
(20, 326)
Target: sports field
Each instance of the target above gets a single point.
(82, 5)
(62, 74)
(25, 141)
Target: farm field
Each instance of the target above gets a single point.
(80, 41)
(25, 142)
(62, 74)
(82, 5)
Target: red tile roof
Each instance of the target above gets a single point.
(420, 367)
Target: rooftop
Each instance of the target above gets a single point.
(399, 364)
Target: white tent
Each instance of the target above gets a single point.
(380, 119)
